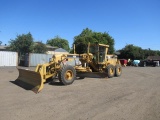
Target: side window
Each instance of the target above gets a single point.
(101, 54)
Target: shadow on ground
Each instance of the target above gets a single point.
(27, 86)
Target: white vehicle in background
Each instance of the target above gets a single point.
(136, 63)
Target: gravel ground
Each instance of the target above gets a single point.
(133, 96)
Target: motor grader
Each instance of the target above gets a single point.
(95, 62)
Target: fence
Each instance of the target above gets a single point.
(8, 58)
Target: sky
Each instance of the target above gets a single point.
(134, 22)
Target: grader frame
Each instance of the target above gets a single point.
(95, 62)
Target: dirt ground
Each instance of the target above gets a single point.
(133, 96)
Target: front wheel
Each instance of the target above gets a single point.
(67, 75)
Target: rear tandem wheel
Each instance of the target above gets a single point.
(110, 69)
(118, 70)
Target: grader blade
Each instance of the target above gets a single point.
(30, 80)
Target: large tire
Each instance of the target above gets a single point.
(67, 75)
(110, 69)
(118, 70)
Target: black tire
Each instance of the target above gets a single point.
(110, 69)
(118, 70)
(144, 64)
(67, 75)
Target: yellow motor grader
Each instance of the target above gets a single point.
(67, 67)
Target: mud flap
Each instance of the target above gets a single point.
(30, 80)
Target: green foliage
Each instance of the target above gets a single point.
(22, 44)
(39, 47)
(158, 52)
(81, 48)
(59, 42)
(71, 51)
(131, 51)
(134, 52)
(88, 35)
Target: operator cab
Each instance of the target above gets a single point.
(99, 52)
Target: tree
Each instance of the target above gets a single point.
(0, 42)
(158, 52)
(88, 35)
(134, 52)
(39, 47)
(131, 52)
(22, 44)
(59, 42)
